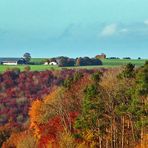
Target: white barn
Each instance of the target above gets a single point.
(53, 63)
(12, 61)
(46, 63)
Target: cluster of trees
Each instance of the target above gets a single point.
(113, 58)
(19, 89)
(65, 61)
(128, 58)
(104, 109)
(86, 61)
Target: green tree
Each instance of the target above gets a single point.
(142, 80)
(93, 117)
(27, 57)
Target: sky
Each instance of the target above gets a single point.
(51, 28)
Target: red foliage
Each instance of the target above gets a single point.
(49, 132)
(19, 89)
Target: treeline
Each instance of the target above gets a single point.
(100, 109)
(81, 61)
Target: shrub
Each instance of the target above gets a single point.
(27, 68)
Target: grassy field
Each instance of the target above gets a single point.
(107, 63)
(33, 67)
(120, 62)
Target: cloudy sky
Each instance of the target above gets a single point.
(48, 28)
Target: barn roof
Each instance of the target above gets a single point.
(9, 59)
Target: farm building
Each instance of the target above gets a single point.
(53, 63)
(12, 61)
(102, 56)
(46, 63)
(50, 63)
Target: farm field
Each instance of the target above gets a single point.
(107, 63)
(121, 62)
(33, 67)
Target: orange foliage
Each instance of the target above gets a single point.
(49, 133)
(35, 112)
(144, 142)
(40, 112)
(16, 139)
(52, 96)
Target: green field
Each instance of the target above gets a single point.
(33, 67)
(120, 62)
(107, 63)
(110, 62)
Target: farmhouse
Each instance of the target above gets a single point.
(46, 63)
(12, 61)
(53, 63)
(102, 56)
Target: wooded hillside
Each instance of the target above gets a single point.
(75, 109)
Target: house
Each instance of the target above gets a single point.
(12, 61)
(53, 63)
(50, 62)
(46, 63)
(102, 56)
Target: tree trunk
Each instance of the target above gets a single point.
(142, 135)
(100, 142)
(133, 134)
(107, 144)
(122, 137)
(114, 138)
(111, 135)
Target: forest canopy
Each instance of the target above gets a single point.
(105, 108)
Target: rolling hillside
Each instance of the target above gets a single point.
(107, 63)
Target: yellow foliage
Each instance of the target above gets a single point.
(27, 142)
(109, 80)
(66, 140)
(21, 140)
(85, 145)
(49, 99)
(89, 140)
(89, 136)
(41, 111)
